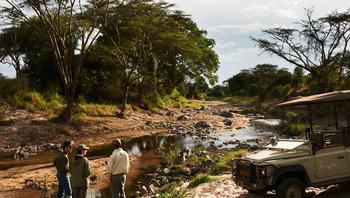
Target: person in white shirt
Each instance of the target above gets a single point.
(118, 166)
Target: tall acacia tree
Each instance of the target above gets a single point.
(156, 47)
(72, 26)
(11, 52)
(314, 45)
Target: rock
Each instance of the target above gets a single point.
(152, 189)
(203, 125)
(183, 118)
(227, 121)
(148, 123)
(143, 190)
(208, 162)
(170, 113)
(226, 114)
(166, 171)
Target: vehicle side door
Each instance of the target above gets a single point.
(331, 163)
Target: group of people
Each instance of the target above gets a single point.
(78, 168)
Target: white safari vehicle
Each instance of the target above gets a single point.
(290, 166)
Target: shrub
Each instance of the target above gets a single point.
(172, 191)
(10, 87)
(87, 109)
(296, 129)
(224, 162)
(201, 179)
(169, 154)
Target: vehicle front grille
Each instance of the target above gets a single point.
(245, 173)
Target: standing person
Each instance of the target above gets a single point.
(61, 163)
(118, 166)
(80, 172)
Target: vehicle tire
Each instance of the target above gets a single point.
(290, 188)
(258, 192)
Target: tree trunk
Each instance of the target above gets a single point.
(124, 99)
(67, 113)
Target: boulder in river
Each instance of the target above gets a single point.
(226, 114)
(227, 121)
(183, 118)
(203, 124)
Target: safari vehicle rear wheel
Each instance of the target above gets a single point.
(290, 188)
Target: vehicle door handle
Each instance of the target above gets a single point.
(340, 157)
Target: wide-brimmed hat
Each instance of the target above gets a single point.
(67, 143)
(116, 142)
(81, 147)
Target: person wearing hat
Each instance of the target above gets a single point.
(118, 166)
(61, 163)
(80, 172)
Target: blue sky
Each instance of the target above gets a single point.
(232, 22)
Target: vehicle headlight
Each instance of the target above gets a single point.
(266, 171)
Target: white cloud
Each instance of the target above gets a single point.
(233, 29)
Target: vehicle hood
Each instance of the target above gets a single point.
(268, 155)
(281, 149)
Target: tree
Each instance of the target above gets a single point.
(72, 26)
(10, 50)
(156, 49)
(314, 45)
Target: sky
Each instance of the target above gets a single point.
(232, 22)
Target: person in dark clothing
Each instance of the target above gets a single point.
(80, 172)
(61, 163)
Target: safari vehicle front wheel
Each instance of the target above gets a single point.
(290, 188)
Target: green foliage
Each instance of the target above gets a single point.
(224, 162)
(148, 50)
(172, 191)
(296, 129)
(175, 100)
(86, 109)
(169, 154)
(265, 81)
(200, 179)
(217, 91)
(292, 116)
(11, 87)
(34, 101)
(239, 99)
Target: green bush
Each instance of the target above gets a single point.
(87, 109)
(10, 87)
(169, 154)
(201, 179)
(296, 129)
(224, 162)
(34, 101)
(292, 116)
(172, 191)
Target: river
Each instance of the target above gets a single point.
(149, 158)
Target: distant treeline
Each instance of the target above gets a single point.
(317, 47)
